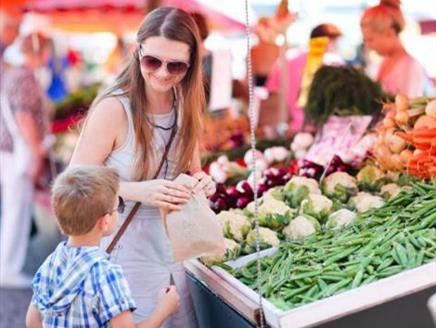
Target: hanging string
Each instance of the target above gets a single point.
(253, 160)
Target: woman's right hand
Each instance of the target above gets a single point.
(164, 194)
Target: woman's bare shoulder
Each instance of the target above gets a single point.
(109, 107)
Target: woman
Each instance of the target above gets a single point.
(398, 72)
(159, 93)
(24, 124)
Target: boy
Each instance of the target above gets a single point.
(77, 286)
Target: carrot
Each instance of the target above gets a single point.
(424, 133)
(405, 136)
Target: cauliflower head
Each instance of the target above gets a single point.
(273, 213)
(340, 185)
(364, 201)
(275, 193)
(390, 190)
(267, 238)
(233, 249)
(301, 227)
(370, 178)
(340, 218)
(235, 226)
(315, 205)
(298, 188)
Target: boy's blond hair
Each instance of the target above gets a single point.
(83, 194)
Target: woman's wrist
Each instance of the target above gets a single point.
(133, 191)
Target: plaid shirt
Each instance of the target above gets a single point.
(79, 287)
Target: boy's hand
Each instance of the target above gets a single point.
(169, 300)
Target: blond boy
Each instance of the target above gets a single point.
(77, 286)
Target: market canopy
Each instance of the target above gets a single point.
(121, 15)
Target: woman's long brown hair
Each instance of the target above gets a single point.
(177, 25)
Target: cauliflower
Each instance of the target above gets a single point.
(233, 250)
(390, 190)
(340, 185)
(276, 154)
(267, 238)
(235, 226)
(302, 141)
(301, 227)
(275, 193)
(311, 184)
(370, 178)
(340, 219)
(272, 213)
(268, 204)
(364, 201)
(260, 161)
(298, 188)
(318, 206)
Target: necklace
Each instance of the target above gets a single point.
(176, 114)
(166, 128)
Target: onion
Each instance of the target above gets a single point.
(402, 118)
(425, 121)
(388, 123)
(401, 102)
(396, 144)
(383, 155)
(391, 114)
(405, 155)
(397, 163)
(430, 109)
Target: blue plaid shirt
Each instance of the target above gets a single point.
(79, 287)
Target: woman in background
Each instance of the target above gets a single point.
(24, 124)
(399, 72)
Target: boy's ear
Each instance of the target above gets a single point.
(103, 223)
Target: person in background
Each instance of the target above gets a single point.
(24, 125)
(9, 28)
(77, 285)
(295, 68)
(399, 72)
(265, 53)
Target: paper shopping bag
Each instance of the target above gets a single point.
(194, 231)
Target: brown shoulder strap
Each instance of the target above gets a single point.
(135, 208)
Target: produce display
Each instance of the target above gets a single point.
(334, 225)
(301, 207)
(386, 240)
(406, 139)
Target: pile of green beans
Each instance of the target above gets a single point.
(383, 242)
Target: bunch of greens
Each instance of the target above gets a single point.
(342, 91)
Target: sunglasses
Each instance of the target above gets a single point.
(152, 64)
(121, 206)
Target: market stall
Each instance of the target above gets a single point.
(338, 241)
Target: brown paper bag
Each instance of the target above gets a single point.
(194, 231)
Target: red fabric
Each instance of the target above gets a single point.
(129, 6)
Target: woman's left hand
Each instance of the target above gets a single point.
(205, 183)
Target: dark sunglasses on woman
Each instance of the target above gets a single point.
(152, 63)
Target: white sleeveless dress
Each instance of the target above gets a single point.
(144, 250)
